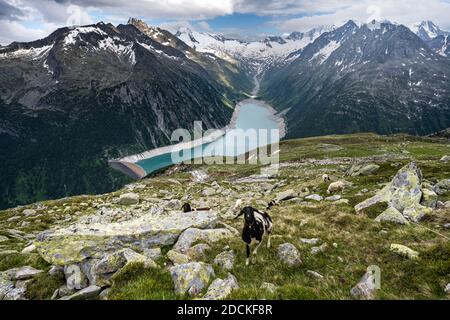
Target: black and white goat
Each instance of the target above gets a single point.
(256, 225)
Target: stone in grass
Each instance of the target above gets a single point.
(191, 278)
(289, 254)
(313, 241)
(314, 197)
(3, 238)
(317, 250)
(315, 275)
(366, 287)
(89, 293)
(28, 250)
(404, 251)
(153, 253)
(447, 289)
(129, 199)
(269, 287)
(225, 260)
(221, 288)
(392, 215)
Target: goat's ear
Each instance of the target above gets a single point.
(240, 214)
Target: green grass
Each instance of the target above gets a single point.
(136, 283)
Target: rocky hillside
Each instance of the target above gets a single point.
(84, 95)
(345, 203)
(378, 77)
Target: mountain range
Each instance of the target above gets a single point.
(86, 94)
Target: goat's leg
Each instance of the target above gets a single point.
(258, 244)
(268, 240)
(247, 261)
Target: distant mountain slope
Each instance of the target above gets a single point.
(427, 30)
(379, 77)
(82, 95)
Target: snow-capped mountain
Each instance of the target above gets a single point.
(427, 30)
(379, 77)
(273, 49)
(441, 45)
(86, 94)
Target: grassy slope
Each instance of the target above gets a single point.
(358, 238)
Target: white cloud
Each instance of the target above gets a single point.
(406, 12)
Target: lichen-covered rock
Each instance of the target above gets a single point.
(8, 291)
(193, 235)
(153, 253)
(89, 293)
(366, 288)
(191, 278)
(129, 199)
(28, 250)
(403, 193)
(404, 251)
(177, 257)
(392, 215)
(80, 242)
(416, 213)
(75, 278)
(22, 273)
(198, 251)
(102, 271)
(225, 260)
(220, 289)
(429, 198)
(289, 254)
(367, 170)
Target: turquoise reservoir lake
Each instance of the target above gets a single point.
(237, 140)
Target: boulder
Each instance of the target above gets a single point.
(445, 159)
(24, 273)
(225, 260)
(127, 199)
(366, 288)
(198, 252)
(177, 257)
(191, 278)
(193, 235)
(363, 170)
(429, 198)
(403, 193)
(153, 253)
(56, 271)
(220, 289)
(89, 293)
(82, 241)
(392, 215)
(28, 212)
(442, 187)
(75, 279)
(315, 275)
(289, 254)
(286, 195)
(404, 251)
(8, 291)
(334, 198)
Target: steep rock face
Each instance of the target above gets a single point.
(379, 77)
(82, 95)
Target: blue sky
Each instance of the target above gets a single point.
(26, 20)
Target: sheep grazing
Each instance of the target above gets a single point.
(326, 178)
(336, 187)
(256, 225)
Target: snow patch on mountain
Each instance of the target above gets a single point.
(30, 53)
(74, 34)
(323, 54)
